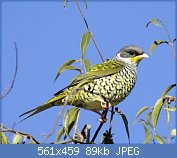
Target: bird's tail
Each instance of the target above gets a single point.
(50, 103)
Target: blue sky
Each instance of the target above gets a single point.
(47, 35)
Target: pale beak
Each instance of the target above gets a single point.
(144, 55)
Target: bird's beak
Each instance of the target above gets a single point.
(138, 58)
(144, 56)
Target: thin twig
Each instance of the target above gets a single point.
(28, 136)
(76, 125)
(59, 115)
(169, 38)
(6, 92)
(112, 114)
(85, 21)
(104, 113)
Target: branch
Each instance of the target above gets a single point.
(59, 115)
(28, 136)
(6, 92)
(112, 114)
(77, 4)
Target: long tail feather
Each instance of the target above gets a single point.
(43, 107)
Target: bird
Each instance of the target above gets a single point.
(103, 86)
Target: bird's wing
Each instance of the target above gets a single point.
(107, 68)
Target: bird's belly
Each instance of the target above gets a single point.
(113, 89)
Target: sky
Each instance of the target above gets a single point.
(47, 35)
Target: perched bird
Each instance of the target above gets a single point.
(105, 84)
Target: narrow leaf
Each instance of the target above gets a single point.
(154, 21)
(171, 109)
(148, 117)
(174, 40)
(167, 112)
(148, 134)
(87, 65)
(159, 139)
(168, 89)
(59, 134)
(173, 132)
(126, 125)
(155, 44)
(65, 2)
(16, 139)
(3, 139)
(142, 110)
(85, 42)
(66, 66)
(69, 119)
(156, 112)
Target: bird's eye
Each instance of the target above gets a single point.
(131, 52)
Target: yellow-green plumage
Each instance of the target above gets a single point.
(113, 80)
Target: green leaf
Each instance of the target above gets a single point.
(154, 21)
(3, 139)
(171, 109)
(156, 112)
(155, 44)
(142, 110)
(148, 134)
(66, 66)
(167, 112)
(16, 138)
(168, 89)
(126, 125)
(85, 42)
(59, 134)
(87, 65)
(69, 119)
(159, 139)
(65, 2)
(148, 117)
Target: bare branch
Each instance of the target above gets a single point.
(28, 136)
(8, 90)
(76, 1)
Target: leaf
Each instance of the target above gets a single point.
(65, 2)
(174, 40)
(3, 139)
(148, 134)
(167, 112)
(155, 44)
(126, 125)
(142, 110)
(171, 109)
(173, 132)
(59, 134)
(17, 138)
(148, 117)
(66, 66)
(159, 139)
(87, 65)
(168, 89)
(156, 112)
(154, 21)
(85, 42)
(69, 119)
(107, 138)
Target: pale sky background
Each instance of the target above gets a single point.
(47, 35)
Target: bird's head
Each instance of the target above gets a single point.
(131, 55)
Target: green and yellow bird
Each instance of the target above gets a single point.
(108, 82)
